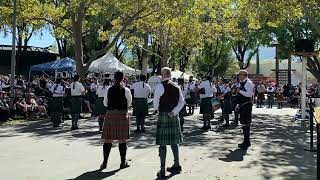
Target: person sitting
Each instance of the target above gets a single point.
(38, 109)
(4, 108)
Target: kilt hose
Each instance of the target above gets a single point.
(116, 125)
(140, 107)
(100, 109)
(168, 130)
(206, 106)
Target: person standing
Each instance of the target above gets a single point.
(77, 92)
(100, 109)
(169, 101)
(234, 91)
(191, 97)
(271, 93)
(260, 90)
(220, 91)
(206, 90)
(244, 106)
(117, 99)
(140, 91)
(56, 102)
(183, 111)
(227, 105)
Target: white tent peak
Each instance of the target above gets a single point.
(110, 64)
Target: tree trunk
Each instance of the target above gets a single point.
(19, 52)
(78, 47)
(144, 69)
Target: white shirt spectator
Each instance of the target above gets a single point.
(249, 86)
(159, 91)
(78, 89)
(102, 91)
(127, 94)
(209, 89)
(57, 92)
(140, 90)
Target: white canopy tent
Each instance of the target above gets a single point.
(178, 74)
(110, 64)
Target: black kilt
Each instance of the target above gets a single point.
(140, 107)
(56, 104)
(100, 109)
(206, 106)
(245, 112)
(76, 106)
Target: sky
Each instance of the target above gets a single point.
(45, 39)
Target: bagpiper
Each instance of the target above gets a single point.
(100, 109)
(56, 102)
(77, 92)
(206, 90)
(140, 92)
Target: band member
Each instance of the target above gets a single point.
(77, 92)
(118, 99)
(260, 90)
(280, 97)
(56, 103)
(244, 106)
(234, 91)
(191, 97)
(169, 101)
(183, 111)
(100, 109)
(220, 91)
(206, 90)
(271, 93)
(227, 106)
(141, 92)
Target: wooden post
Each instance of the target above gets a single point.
(277, 64)
(289, 70)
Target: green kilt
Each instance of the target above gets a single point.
(168, 130)
(140, 107)
(56, 104)
(76, 106)
(100, 109)
(206, 106)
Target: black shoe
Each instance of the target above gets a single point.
(124, 165)
(143, 131)
(226, 125)
(204, 128)
(208, 127)
(74, 128)
(161, 174)
(244, 145)
(174, 169)
(137, 131)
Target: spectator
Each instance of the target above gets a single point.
(4, 107)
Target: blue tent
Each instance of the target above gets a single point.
(65, 64)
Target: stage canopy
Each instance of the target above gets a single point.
(65, 64)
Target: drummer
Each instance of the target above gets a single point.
(140, 91)
(100, 109)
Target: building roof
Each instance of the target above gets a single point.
(29, 48)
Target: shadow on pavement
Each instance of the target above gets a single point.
(95, 175)
(236, 155)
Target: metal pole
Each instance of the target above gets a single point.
(13, 53)
(303, 88)
(277, 64)
(311, 105)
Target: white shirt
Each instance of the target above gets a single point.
(209, 89)
(78, 90)
(159, 91)
(261, 88)
(127, 94)
(249, 86)
(101, 92)
(190, 86)
(59, 92)
(226, 90)
(141, 90)
(271, 89)
(93, 87)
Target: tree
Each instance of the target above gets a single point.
(121, 14)
(26, 11)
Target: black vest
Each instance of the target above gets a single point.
(117, 99)
(170, 98)
(241, 98)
